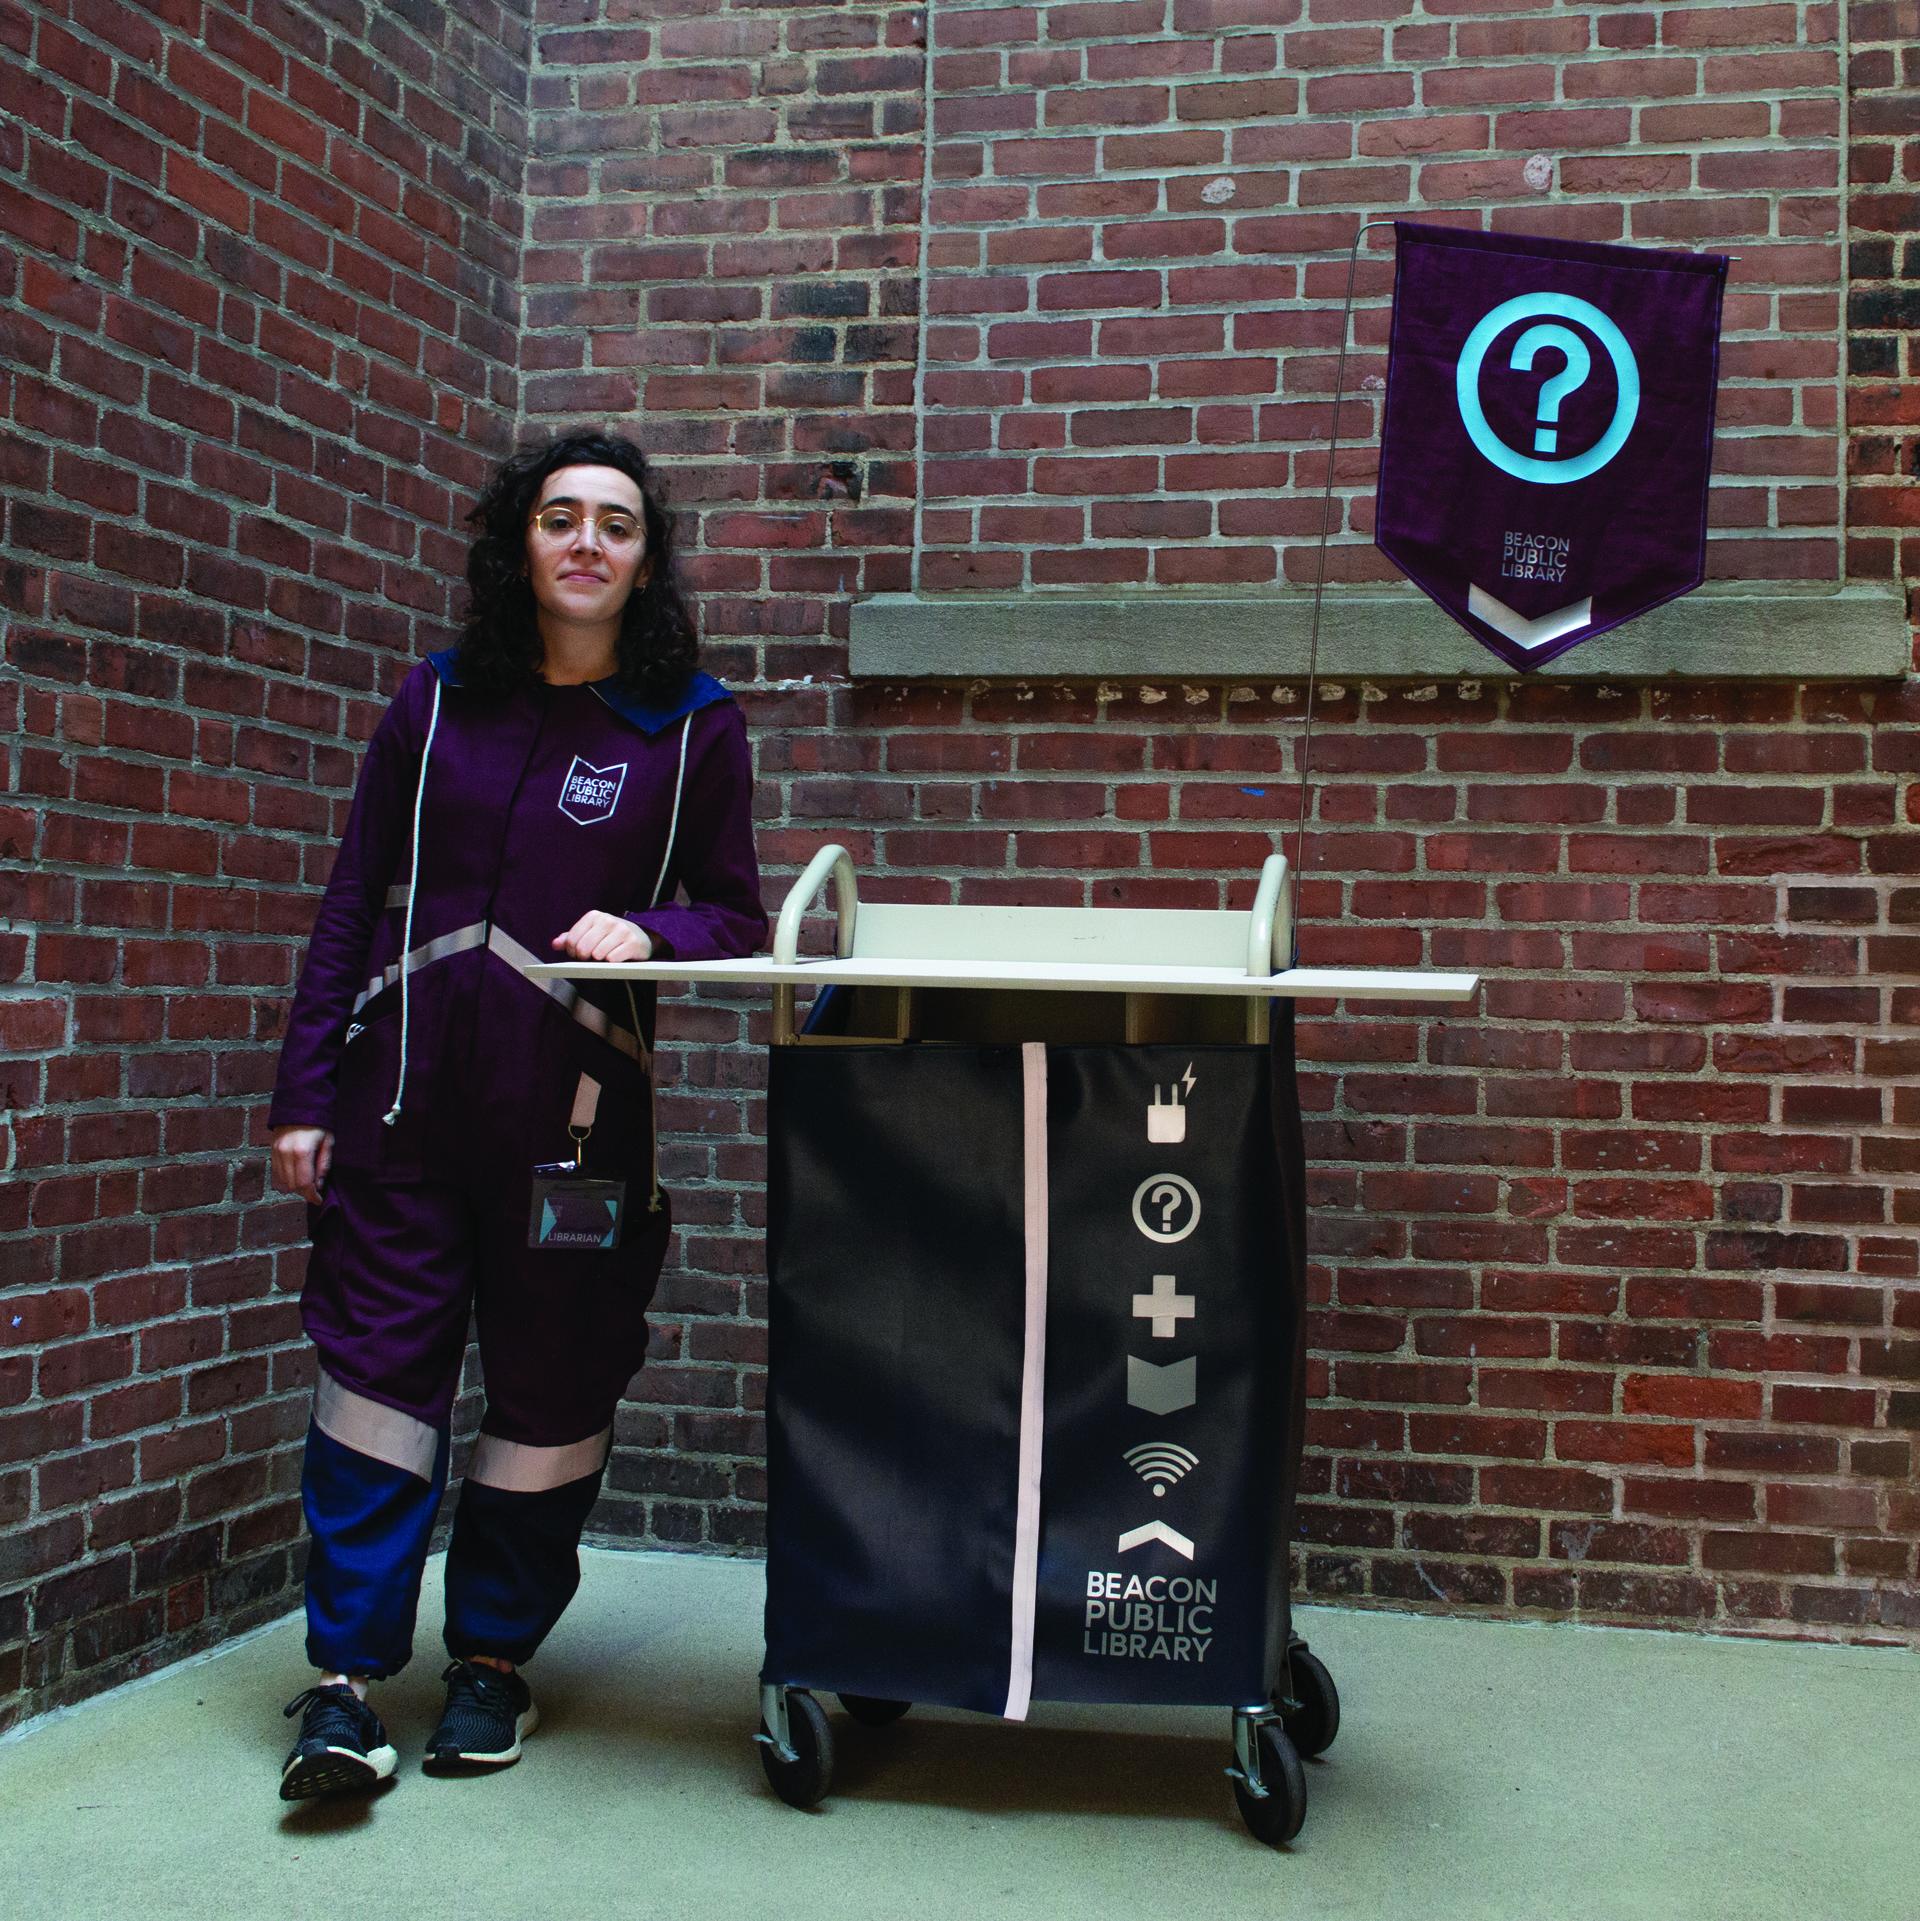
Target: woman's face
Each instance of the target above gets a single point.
(586, 543)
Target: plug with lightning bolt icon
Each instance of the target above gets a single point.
(1167, 1118)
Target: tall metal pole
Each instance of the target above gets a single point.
(1320, 572)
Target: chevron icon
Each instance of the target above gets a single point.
(1162, 1389)
(1157, 1531)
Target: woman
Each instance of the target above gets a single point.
(541, 790)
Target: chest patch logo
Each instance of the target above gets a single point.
(589, 794)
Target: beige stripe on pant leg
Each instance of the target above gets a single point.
(371, 1428)
(522, 1469)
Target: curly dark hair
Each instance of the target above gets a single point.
(499, 647)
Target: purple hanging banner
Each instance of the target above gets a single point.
(1548, 431)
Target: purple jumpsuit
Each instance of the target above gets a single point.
(481, 828)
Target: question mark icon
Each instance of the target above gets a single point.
(1164, 1193)
(1553, 391)
(1553, 307)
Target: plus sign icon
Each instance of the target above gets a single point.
(1166, 1307)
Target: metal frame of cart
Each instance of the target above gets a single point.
(1019, 974)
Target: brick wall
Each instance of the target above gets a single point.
(1883, 287)
(1617, 1310)
(1616, 1305)
(258, 313)
(1136, 242)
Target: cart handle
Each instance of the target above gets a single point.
(831, 859)
(1270, 937)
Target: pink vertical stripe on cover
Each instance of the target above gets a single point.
(1033, 1377)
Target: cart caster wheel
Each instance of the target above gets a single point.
(1275, 1815)
(803, 1781)
(1313, 1724)
(872, 1712)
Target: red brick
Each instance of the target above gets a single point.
(1691, 1397)
(1688, 1500)
(1676, 1597)
(1628, 1442)
(1771, 1552)
(1551, 1489)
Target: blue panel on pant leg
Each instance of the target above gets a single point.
(514, 1565)
(370, 1524)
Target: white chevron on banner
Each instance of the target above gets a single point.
(1522, 631)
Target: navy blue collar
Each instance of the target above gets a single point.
(702, 690)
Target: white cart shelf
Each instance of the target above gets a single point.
(1143, 953)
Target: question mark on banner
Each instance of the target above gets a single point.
(1169, 1195)
(1553, 391)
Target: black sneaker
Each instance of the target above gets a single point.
(342, 1748)
(488, 1712)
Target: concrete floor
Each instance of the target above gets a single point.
(1483, 1770)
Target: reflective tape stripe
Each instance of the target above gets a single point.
(455, 943)
(371, 1428)
(522, 1469)
(1033, 1377)
(519, 958)
(594, 1019)
(597, 1021)
(479, 934)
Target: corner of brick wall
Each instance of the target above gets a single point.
(259, 310)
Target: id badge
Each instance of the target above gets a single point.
(572, 1209)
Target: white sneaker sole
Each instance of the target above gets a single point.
(336, 1771)
(504, 1758)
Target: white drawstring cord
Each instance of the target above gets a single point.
(673, 819)
(413, 888)
(666, 861)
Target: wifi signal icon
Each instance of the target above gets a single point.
(1160, 1464)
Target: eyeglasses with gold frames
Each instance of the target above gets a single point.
(615, 529)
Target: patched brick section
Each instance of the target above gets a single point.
(1883, 290)
(723, 222)
(724, 240)
(259, 306)
(1134, 289)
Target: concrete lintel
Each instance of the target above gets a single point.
(1720, 632)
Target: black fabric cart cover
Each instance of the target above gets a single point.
(1035, 1370)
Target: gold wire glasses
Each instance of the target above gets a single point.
(615, 529)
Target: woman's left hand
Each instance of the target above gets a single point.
(604, 937)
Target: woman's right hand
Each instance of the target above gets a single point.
(301, 1157)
